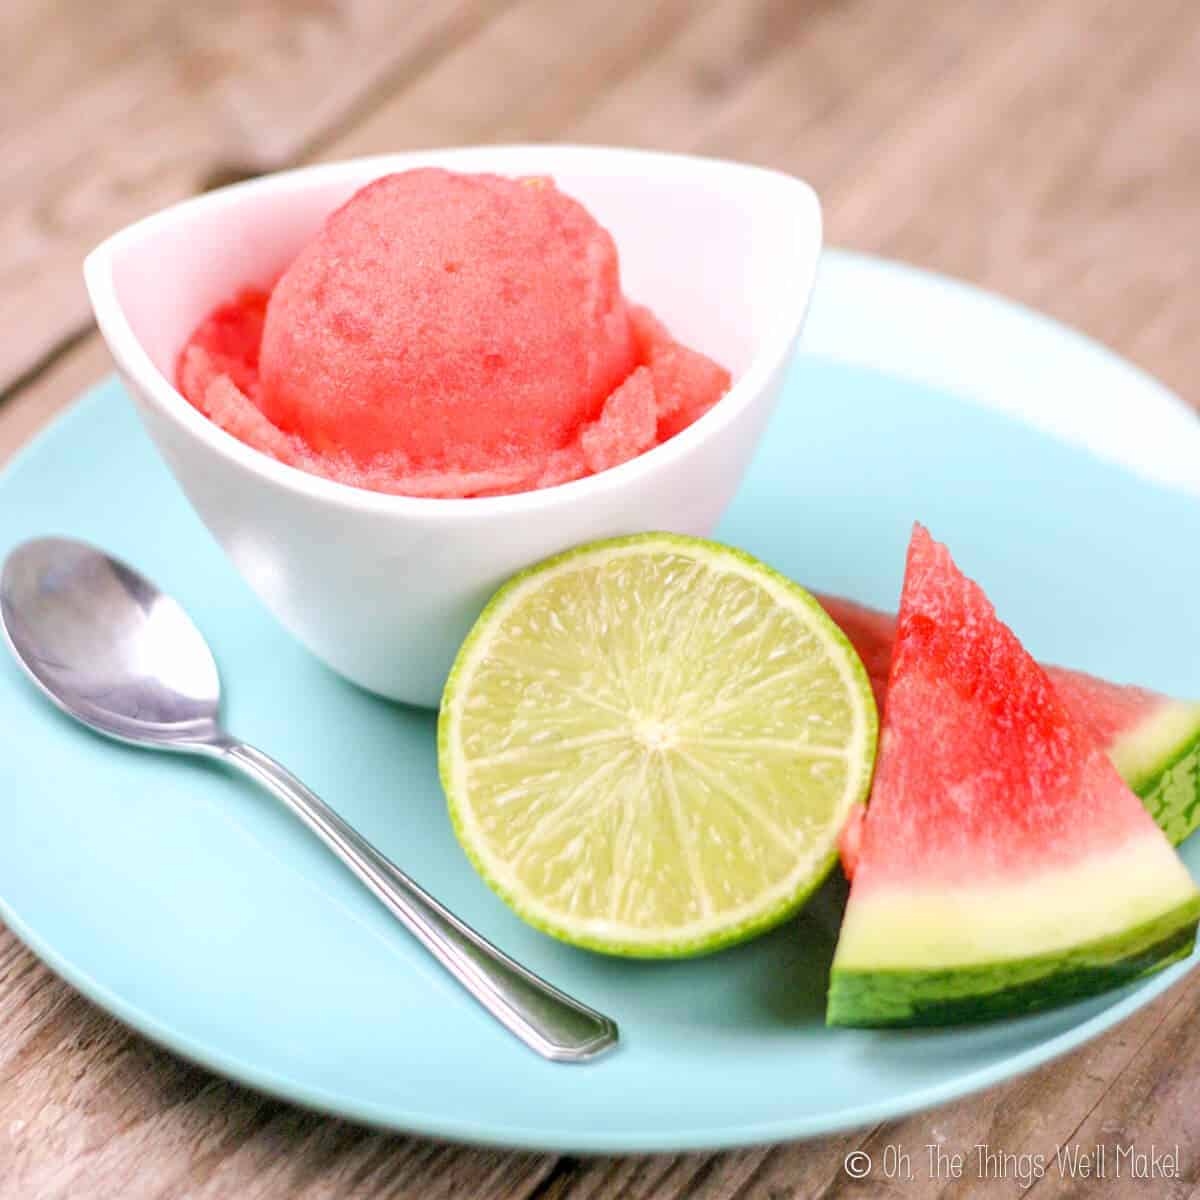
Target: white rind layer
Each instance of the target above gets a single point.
(1140, 752)
(922, 927)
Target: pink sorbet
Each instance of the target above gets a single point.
(448, 335)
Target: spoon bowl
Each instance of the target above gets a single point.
(108, 647)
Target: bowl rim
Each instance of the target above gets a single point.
(132, 358)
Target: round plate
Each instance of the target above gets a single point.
(182, 901)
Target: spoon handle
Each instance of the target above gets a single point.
(545, 1019)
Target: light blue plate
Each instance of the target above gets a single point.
(179, 899)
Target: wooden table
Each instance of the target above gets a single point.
(1049, 150)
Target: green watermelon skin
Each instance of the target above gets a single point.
(889, 998)
(1164, 769)
(981, 891)
(1172, 794)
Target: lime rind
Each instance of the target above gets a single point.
(710, 931)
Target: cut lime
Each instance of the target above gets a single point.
(650, 744)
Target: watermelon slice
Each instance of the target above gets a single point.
(1004, 865)
(1153, 741)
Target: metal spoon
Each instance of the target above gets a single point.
(122, 657)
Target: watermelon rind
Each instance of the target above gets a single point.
(1161, 762)
(868, 998)
(945, 952)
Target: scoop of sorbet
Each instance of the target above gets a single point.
(448, 335)
(462, 321)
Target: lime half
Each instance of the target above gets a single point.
(650, 744)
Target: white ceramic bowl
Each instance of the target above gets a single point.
(384, 588)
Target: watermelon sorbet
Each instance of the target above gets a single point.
(448, 335)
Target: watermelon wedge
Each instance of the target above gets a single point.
(1004, 866)
(1153, 741)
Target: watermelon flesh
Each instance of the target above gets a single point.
(1004, 864)
(1152, 740)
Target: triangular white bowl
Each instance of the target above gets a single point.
(383, 588)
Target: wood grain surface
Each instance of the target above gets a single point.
(1050, 151)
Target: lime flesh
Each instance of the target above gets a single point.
(649, 745)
